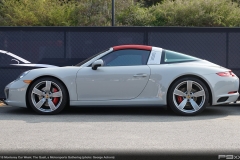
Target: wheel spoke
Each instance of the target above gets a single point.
(51, 105)
(40, 103)
(57, 94)
(182, 104)
(37, 91)
(48, 86)
(189, 86)
(194, 105)
(178, 92)
(199, 93)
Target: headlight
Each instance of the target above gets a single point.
(22, 75)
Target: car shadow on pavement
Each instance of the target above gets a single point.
(115, 114)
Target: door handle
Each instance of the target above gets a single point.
(140, 75)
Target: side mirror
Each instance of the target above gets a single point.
(97, 64)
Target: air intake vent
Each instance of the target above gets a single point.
(222, 99)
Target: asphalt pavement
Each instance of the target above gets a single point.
(126, 130)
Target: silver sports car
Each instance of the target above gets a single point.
(127, 75)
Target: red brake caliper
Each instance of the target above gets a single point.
(55, 99)
(179, 99)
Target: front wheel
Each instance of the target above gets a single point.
(188, 96)
(47, 96)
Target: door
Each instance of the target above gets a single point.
(123, 76)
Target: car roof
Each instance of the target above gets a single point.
(141, 47)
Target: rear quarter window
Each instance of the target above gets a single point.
(176, 57)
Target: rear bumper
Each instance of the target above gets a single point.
(231, 98)
(221, 87)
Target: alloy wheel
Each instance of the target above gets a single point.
(46, 96)
(189, 96)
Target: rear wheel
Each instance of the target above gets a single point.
(188, 96)
(47, 96)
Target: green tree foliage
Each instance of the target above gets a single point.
(60, 12)
(212, 13)
(92, 13)
(135, 16)
(215, 13)
(237, 1)
(149, 3)
(36, 13)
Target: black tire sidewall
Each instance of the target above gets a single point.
(64, 95)
(170, 96)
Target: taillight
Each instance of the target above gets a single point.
(226, 74)
(233, 75)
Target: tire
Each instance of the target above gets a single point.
(47, 96)
(188, 96)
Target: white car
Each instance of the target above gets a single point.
(7, 57)
(127, 75)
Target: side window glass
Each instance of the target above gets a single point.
(126, 58)
(173, 57)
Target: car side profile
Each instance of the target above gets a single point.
(127, 75)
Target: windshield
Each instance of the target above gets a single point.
(81, 63)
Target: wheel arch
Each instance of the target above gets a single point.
(44, 76)
(195, 76)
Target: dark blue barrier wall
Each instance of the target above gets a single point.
(69, 45)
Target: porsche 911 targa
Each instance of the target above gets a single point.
(127, 75)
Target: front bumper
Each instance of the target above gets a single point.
(15, 93)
